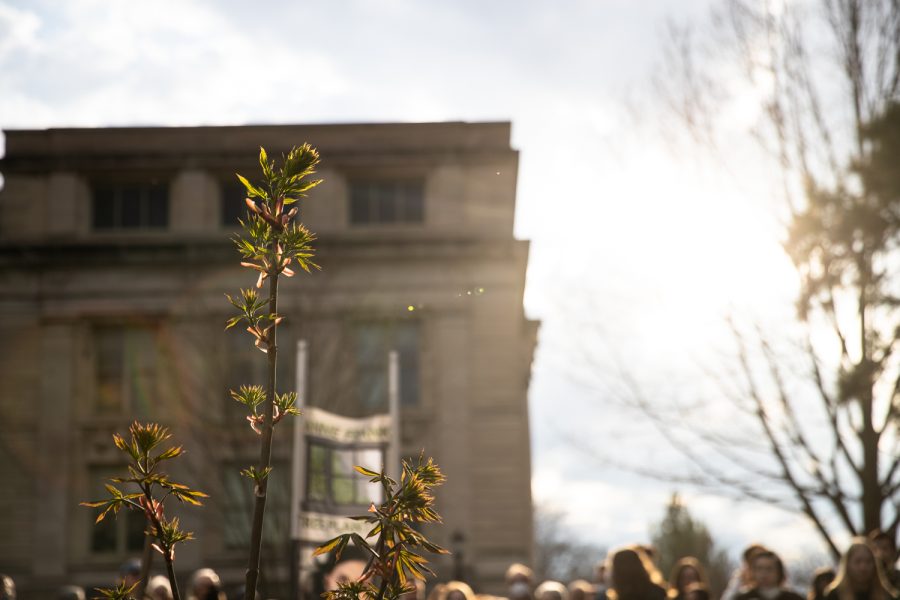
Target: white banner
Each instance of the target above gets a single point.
(344, 430)
(329, 445)
(318, 527)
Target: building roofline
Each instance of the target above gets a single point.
(313, 125)
(244, 140)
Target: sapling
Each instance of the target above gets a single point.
(272, 240)
(153, 488)
(394, 554)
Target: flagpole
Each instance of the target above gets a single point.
(298, 456)
(392, 460)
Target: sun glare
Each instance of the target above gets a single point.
(699, 250)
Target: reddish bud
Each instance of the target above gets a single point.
(252, 205)
(255, 421)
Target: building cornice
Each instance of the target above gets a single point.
(235, 147)
(128, 251)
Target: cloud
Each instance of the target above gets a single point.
(18, 30)
(165, 63)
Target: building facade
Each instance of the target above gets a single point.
(115, 253)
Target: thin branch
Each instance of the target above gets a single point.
(796, 435)
(738, 489)
(696, 458)
(788, 475)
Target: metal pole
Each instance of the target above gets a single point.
(298, 456)
(392, 460)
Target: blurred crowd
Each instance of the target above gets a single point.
(866, 571)
(204, 585)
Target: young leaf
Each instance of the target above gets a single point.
(368, 472)
(332, 544)
(252, 190)
(121, 592)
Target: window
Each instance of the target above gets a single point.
(377, 202)
(131, 206)
(237, 499)
(116, 534)
(373, 343)
(125, 369)
(332, 481)
(232, 204)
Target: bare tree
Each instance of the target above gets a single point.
(826, 75)
(559, 555)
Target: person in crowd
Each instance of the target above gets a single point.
(581, 590)
(130, 571)
(686, 571)
(630, 578)
(551, 590)
(206, 585)
(697, 591)
(648, 557)
(70, 592)
(335, 571)
(7, 588)
(437, 592)
(822, 578)
(768, 579)
(519, 581)
(158, 588)
(648, 554)
(742, 578)
(860, 576)
(886, 552)
(457, 590)
(649, 551)
(600, 581)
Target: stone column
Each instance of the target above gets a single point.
(54, 428)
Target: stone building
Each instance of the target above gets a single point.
(115, 253)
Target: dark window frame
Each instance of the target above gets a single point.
(372, 370)
(130, 205)
(117, 535)
(231, 203)
(378, 202)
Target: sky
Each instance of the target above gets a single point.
(639, 247)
